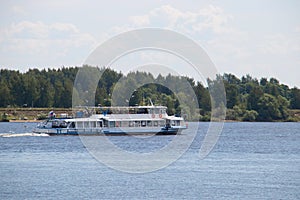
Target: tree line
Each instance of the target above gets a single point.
(247, 98)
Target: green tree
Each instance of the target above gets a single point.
(253, 98)
(5, 96)
(203, 97)
(232, 95)
(46, 94)
(250, 115)
(283, 105)
(295, 98)
(268, 108)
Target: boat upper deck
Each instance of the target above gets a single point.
(122, 110)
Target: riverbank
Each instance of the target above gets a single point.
(39, 114)
(23, 120)
(30, 114)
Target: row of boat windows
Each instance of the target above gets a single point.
(97, 124)
(131, 111)
(134, 123)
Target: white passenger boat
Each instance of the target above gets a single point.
(115, 121)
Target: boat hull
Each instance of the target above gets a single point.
(116, 131)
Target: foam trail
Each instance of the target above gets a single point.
(23, 135)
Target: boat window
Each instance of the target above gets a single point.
(125, 123)
(151, 111)
(143, 123)
(100, 124)
(105, 123)
(79, 124)
(111, 124)
(94, 124)
(86, 125)
(142, 111)
(63, 124)
(72, 125)
(131, 124)
(55, 124)
(137, 123)
(162, 123)
(155, 123)
(149, 123)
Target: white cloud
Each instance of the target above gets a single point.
(210, 26)
(19, 10)
(38, 38)
(64, 27)
(142, 20)
(209, 18)
(233, 48)
(279, 44)
(29, 29)
(238, 41)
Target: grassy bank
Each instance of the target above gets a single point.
(30, 114)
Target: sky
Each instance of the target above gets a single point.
(258, 37)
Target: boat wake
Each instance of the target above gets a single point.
(6, 135)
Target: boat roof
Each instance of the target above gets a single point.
(123, 117)
(82, 119)
(148, 107)
(116, 117)
(174, 118)
(131, 117)
(120, 107)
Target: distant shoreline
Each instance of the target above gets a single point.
(226, 121)
(30, 114)
(23, 120)
(35, 115)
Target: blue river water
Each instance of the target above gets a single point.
(249, 161)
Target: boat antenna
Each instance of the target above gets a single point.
(89, 112)
(151, 102)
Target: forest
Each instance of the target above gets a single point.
(247, 98)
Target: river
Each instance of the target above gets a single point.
(249, 161)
